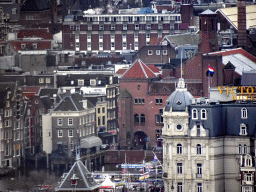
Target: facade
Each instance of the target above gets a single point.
(93, 33)
(208, 145)
(12, 130)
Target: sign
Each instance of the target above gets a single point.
(131, 165)
(240, 93)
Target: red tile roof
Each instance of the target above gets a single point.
(43, 33)
(30, 91)
(138, 70)
(154, 68)
(121, 71)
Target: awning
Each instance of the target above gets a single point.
(104, 134)
(89, 142)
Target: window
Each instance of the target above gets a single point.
(101, 37)
(142, 118)
(48, 80)
(245, 149)
(148, 27)
(194, 114)
(198, 130)
(159, 118)
(150, 52)
(179, 149)
(248, 177)
(148, 35)
(179, 187)
(92, 82)
(14, 11)
(179, 168)
(240, 149)
(139, 101)
(59, 121)
(203, 114)
(244, 113)
(157, 52)
(159, 101)
(243, 129)
(41, 80)
(198, 149)
(70, 133)
(99, 121)
(103, 109)
(136, 27)
(164, 52)
(139, 118)
(89, 27)
(113, 27)
(23, 46)
(199, 187)
(98, 110)
(80, 82)
(199, 170)
(70, 121)
(60, 133)
(78, 27)
(247, 189)
(112, 45)
(71, 27)
(124, 27)
(103, 120)
(34, 45)
(101, 27)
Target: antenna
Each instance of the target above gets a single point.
(181, 63)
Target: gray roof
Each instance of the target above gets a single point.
(249, 78)
(183, 39)
(73, 102)
(84, 178)
(7, 8)
(179, 99)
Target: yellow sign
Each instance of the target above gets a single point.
(240, 93)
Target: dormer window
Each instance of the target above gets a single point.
(203, 114)
(244, 113)
(243, 129)
(194, 114)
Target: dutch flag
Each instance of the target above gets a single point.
(155, 158)
(211, 70)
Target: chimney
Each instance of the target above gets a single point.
(241, 10)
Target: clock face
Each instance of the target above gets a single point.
(179, 127)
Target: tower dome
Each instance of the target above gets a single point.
(179, 99)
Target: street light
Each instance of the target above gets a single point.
(172, 187)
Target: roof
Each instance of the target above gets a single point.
(249, 78)
(72, 102)
(138, 70)
(207, 12)
(231, 14)
(154, 68)
(121, 71)
(179, 99)
(35, 5)
(89, 142)
(8, 8)
(124, 93)
(84, 179)
(30, 91)
(43, 33)
(183, 39)
(241, 60)
(108, 183)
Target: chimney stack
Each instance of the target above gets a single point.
(241, 20)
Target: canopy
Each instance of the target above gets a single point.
(107, 183)
(89, 142)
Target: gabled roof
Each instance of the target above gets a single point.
(231, 14)
(154, 68)
(138, 70)
(241, 60)
(207, 12)
(30, 91)
(26, 33)
(72, 102)
(84, 179)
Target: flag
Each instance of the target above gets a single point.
(155, 158)
(211, 70)
(148, 168)
(124, 171)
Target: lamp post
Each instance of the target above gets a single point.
(172, 187)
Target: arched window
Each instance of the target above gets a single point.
(142, 118)
(194, 114)
(245, 149)
(136, 118)
(198, 149)
(179, 149)
(240, 149)
(244, 113)
(243, 129)
(203, 114)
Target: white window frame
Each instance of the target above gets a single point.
(137, 27)
(199, 187)
(194, 114)
(47, 80)
(243, 129)
(125, 27)
(59, 122)
(198, 149)
(70, 133)
(244, 113)
(179, 168)
(70, 121)
(41, 80)
(203, 113)
(164, 52)
(92, 82)
(179, 148)
(150, 52)
(158, 52)
(80, 82)
(60, 133)
(71, 27)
